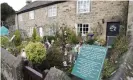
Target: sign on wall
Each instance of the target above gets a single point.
(113, 28)
(89, 62)
(112, 32)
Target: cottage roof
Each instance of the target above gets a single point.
(37, 4)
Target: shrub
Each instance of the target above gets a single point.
(71, 36)
(49, 38)
(90, 38)
(36, 52)
(54, 56)
(108, 69)
(90, 41)
(17, 39)
(4, 41)
(120, 46)
(100, 41)
(35, 36)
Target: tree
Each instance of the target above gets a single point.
(6, 11)
(35, 36)
(17, 39)
(10, 20)
(4, 41)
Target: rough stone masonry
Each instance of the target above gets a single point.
(125, 71)
(11, 66)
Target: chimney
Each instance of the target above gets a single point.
(28, 1)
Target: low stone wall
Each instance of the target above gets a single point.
(56, 74)
(11, 66)
(125, 71)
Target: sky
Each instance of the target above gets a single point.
(15, 4)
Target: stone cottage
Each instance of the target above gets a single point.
(82, 16)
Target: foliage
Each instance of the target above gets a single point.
(35, 36)
(38, 38)
(69, 70)
(20, 47)
(119, 47)
(90, 41)
(72, 38)
(90, 38)
(15, 50)
(4, 41)
(100, 41)
(17, 40)
(108, 69)
(49, 38)
(54, 56)
(6, 11)
(36, 52)
(10, 21)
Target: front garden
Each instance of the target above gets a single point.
(42, 56)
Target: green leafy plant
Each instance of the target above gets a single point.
(35, 36)
(4, 41)
(71, 36)
(90, 38)
(100, 41)
(17, 40)
(120, 46)
(54, 56)
(35, 52)
(49, 38)
(108, 69)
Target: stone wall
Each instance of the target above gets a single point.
(101, 12)
(130, 19)
(56, 74)
(11, 66)
(125, 70)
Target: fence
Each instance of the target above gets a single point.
(31, 74)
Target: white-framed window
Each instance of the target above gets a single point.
(83, 6)
(31, 15)
(83, 29)
(20, 17)
(52, 11)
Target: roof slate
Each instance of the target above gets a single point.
(36, 4)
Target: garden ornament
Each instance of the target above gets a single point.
(23, 54)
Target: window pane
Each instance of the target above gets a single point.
(31, 15)
(84, 29)
(83, 6)
(87, 29)
(52, 11)
(81, 25)
(84, 26)
(80, 29)
(87, 25)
